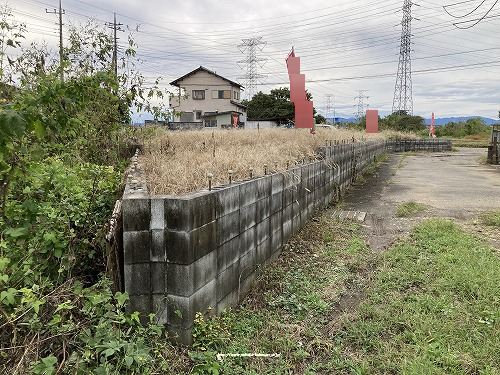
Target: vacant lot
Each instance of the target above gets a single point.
(177, 162)
(414, 293)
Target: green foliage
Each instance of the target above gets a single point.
(320, 119)
(433, 308)
(491, 219)
(408, 208)
(471, 127)
(53, 216)
(276, 105)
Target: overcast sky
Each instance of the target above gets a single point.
(344, 45)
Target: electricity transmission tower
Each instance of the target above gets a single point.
(116, 27)
(403, 99)
(329, 106)
(251, 77)
(61, 52)
(361, 105)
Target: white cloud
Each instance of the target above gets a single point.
(344, 46)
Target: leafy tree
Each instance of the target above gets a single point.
(11, 34)
(277, 104)
(320, 119)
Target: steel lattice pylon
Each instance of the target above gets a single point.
(251, 77)
(403, 99)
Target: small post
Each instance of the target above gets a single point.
(230, 174)
(287, 164)
(265, 169)
(251, 172)
(210, 176)
(275, 165)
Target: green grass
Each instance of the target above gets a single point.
(408, 208)
(491, 219)
(434, 308)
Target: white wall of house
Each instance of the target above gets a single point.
(262, 124)
(204, 92)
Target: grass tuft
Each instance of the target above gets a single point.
(491, 219)
(406, 209)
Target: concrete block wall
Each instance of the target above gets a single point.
(184, 254)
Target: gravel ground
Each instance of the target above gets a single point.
(450, 184)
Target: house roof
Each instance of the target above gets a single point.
(203, 69)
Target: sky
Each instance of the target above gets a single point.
(345, 46)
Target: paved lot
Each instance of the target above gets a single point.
(450, 184)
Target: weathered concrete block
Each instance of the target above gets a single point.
(158, 251)
(277, 180)
(248, 240)
(276, 222)
(181, 310)
(276, 202)
(185, 280)
(190, 212)
(276, 241)
(136, 247)
(263, 187)
(230, 300)
(227, 280)
(263, 230)
(180, 280)
(179, 335)
(157, 214)
(263, 252)
(288, 213)
(263, 209)
(136, 214)
(159, 306)
(205, 270)
(288, 196)
(228, 200)
(247, 264)
(248, 193)
(158, 276)
(287, 230)
(228, 253)
(140, 303)
(228, 227)
(185, 248)
(137, 278)
(248, 216)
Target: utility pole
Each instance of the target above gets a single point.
(361, 104)
(251, 77)
(61, 52)
(403, 98)
(115, 26)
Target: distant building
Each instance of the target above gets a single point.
(208, 100)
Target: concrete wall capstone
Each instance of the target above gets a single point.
(184, 254)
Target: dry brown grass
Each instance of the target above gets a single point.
(177, 162)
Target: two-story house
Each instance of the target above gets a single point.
(207, 98)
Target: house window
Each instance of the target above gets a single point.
(221, 94)
(197, 115)
(236, 95)
(198, 94)
(210, 122)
